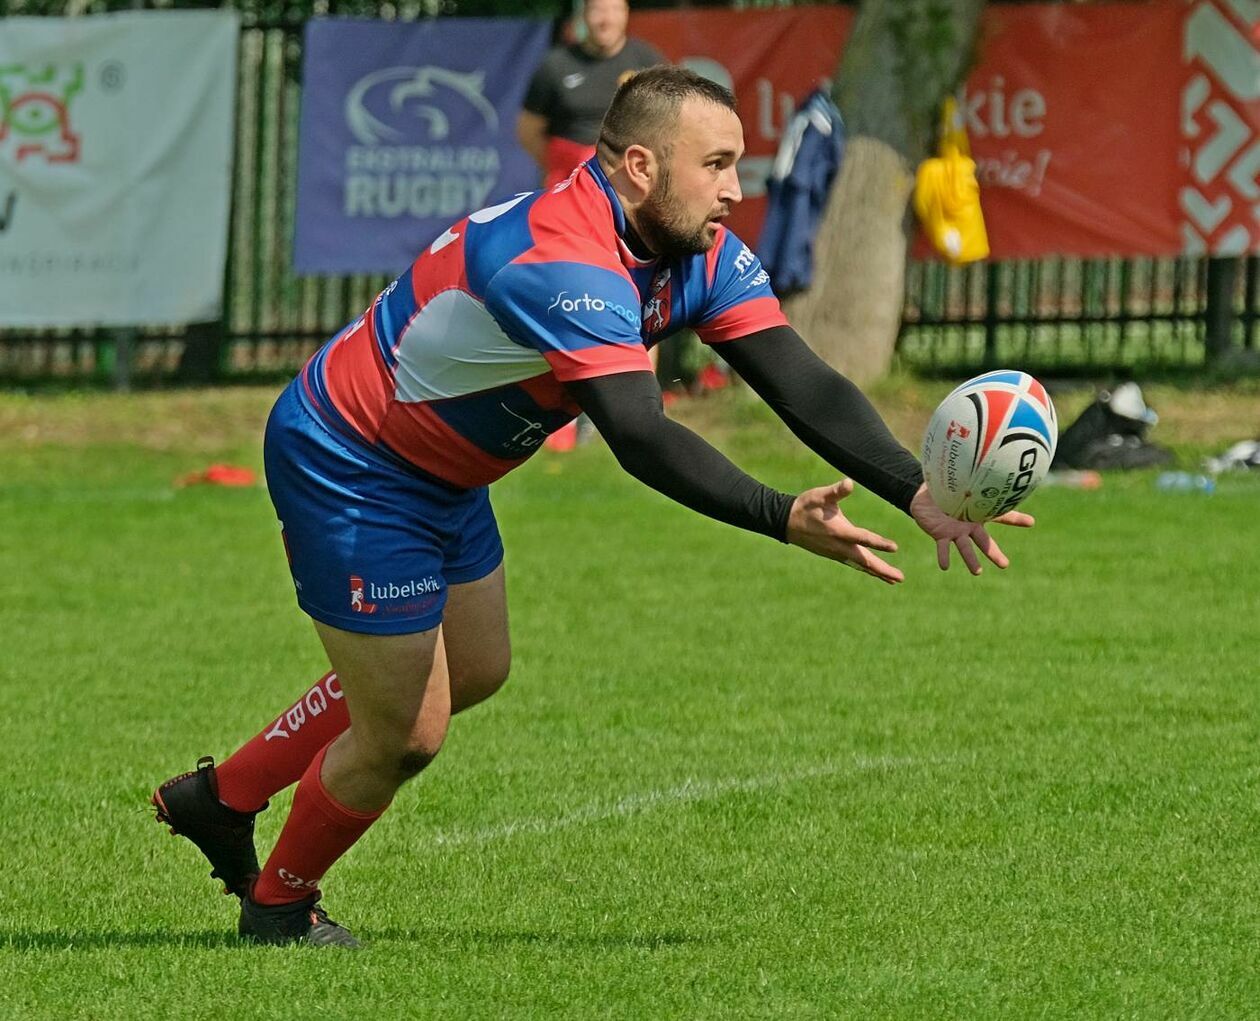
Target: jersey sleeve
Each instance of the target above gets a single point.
(740, 300)
(566, 300)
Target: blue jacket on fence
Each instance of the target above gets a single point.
(804, 167)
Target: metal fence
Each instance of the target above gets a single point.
(1059, 314)
(1074, 315)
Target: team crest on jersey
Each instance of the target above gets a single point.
(656, 309)
(357, 603)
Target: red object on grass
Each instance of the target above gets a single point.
(220, 475)
(712, 378)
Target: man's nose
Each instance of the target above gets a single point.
(729, 191)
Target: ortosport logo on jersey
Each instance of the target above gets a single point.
(585, 303)
(425, 143)
(35, 111)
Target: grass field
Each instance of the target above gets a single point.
(727, 780)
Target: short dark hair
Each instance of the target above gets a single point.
(645, 109)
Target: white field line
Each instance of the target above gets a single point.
(690, 790)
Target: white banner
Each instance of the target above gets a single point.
(115, 167)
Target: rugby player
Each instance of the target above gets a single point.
(379, 455)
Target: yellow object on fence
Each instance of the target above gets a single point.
(947, 194)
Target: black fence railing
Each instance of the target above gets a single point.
(1060, 314)
(1072, 314)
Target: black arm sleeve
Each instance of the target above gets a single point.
(669, 457)
(828, 413)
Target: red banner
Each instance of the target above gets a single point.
(770, 59)
(1107, 129)
(1072, 115)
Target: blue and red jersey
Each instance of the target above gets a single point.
(459, 366)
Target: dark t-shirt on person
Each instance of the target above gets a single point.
(572, 88)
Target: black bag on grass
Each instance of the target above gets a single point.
(1111, 433)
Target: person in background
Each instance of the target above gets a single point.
(573, 86)
(564, 108)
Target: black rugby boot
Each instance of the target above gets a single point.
(303, 922)
(189, 804)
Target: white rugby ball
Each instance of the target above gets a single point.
(988, 445)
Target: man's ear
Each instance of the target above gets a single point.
(641, 167)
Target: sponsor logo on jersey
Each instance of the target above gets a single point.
(530, 434)
(744, 262)
(586, 303)
(368, 597)
(405, 590)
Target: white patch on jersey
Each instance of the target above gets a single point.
(447, 237)
(572, 81)
(454, 347)
(490, 212)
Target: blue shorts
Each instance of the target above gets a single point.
(372, 545)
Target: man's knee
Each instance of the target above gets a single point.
(420, 750)
(411, 763)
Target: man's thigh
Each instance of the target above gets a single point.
(385, 678)
(475, 633)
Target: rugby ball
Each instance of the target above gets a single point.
(988, 445)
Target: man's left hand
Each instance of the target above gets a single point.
(966, 535)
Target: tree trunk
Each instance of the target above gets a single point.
(903, 58)
(852, 313)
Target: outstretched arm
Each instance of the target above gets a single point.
(834, 419)
(626, 408)
(827, 412)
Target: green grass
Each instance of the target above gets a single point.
(726, 780)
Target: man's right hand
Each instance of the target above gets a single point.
(817, 524)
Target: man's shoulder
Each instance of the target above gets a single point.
(558, 256)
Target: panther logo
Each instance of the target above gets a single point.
(425, 92)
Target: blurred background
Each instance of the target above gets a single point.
(208, 201)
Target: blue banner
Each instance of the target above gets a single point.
(406, 128)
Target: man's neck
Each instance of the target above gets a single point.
(634, 241)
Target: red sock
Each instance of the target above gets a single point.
(318, 831)
(279, 755)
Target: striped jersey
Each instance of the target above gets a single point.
(458, 368)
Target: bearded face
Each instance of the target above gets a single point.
(667, 225)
